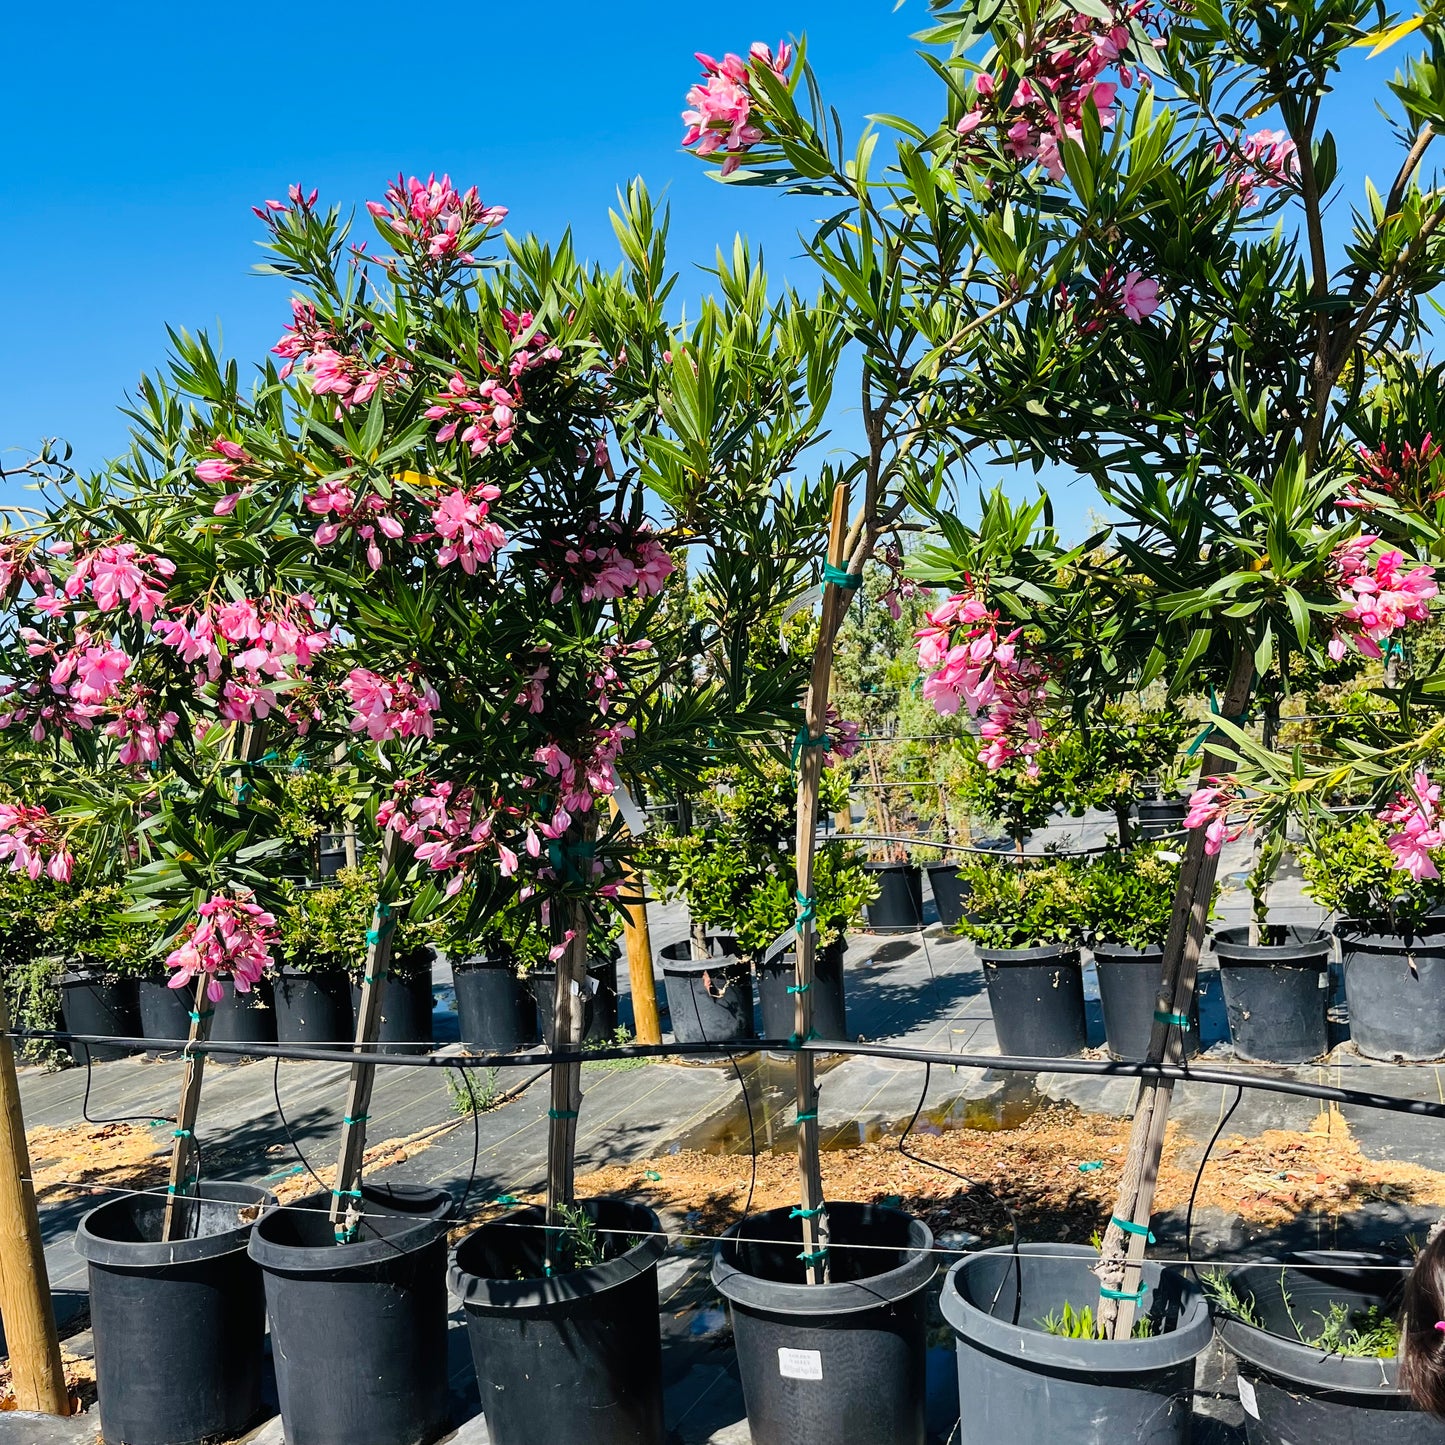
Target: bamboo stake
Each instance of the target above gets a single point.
(814, 1214)
(37, 1375)
(346, 1194)
(567, 1017)
(646, 1023)
(1120, 1267)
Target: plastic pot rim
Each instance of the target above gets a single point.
(1295, 1363)
(1308, 946)
(392, 1235)
(1357, 937)
(147, 1255)
(482, 1293)
(478, 962)
(1110, 952)
(1062, 953)
(890, 865)
(849, 1297)
(1033, 1347)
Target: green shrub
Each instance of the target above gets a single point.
(1128, 896)
(1350, 871)
(1014, 905)
(323, 927)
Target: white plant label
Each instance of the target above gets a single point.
(800, 1364)
(1247, 1397)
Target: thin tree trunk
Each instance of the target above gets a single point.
(567, 1015)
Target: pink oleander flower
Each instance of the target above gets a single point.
(842, 736)
(1266, 160)
(430, 219)
(1380, 599)
(485, 415)
(1408, 476)
(1139, 296)
(121, 575)
(141, 736)
(386, 708)
(232, 937)
(459, 518)
(1419, 822)
(720, 106)
(536, 351)
(31, 839)
(348, 510)
(1209, 809)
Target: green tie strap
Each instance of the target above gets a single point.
(813, 1256)
(805, 1213)
(1182, 1020)
(561, 1113)
(842, 577)
(1129, 1227)
(1135, 1295)
(805, 739)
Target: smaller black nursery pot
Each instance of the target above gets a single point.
(841, 1363)
(496, 1009)
(1021, 1385)
(358, 1331)
(899, 905)
(1129, 993)
(243, 1018)
(574, 1359)
(950, 892)
(1295, 1393)
(1396, 990)
(1158, 817)
(179, 1328)
(406, 1012)
(599, 1007)
(709, 1000)
(1276, 992)
(830, 1005)
(1036, 996)
(313, 1009)
(93, 1004)
(165, 1013)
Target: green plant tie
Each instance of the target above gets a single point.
(370, 977)
(1208, 728)
(842, 577)
(811, 1114)
(1173, 1018)
(652, 1174)
(1129, 1227)
(807, 908)
(796, 1041)
(182, 1186)
(359, 1119)
(799, 987)
(197, 1017)
(385, 923)
(347, 1193)
(805, 1213)
(1129, 1294)
(506, 1199)
(814, 1256)
(1090, 1166)
(561, 1113)
(805, 739)
(182, 1134)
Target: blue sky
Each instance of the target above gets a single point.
(136, 139)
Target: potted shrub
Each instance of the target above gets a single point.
(898, 905)
(1125, 758)
(312, 979)
(315, 812)
(492, 962)
(1026, 922)
(599, 995)
(1391, 935)
(104, 959)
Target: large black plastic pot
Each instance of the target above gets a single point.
(496, 1009)
(1396, 991)
(1294, 1393)
(1160, 816)
(899, 905)
(839, 1363)
(1036, 996)
(599, 1008)
(313, 1008)
(575, 1359)
(165, 1012)
(91, 1003)
(830, 1009)
(179, 1328)
(1276, 992)
(709, 1000)
(1022, 1386)
(358, 1331)
(950, 892)
(1129, 993)
(406, 1013)
(415, 1201)
(244, 1018)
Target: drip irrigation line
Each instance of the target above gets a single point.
(1224, 1118)
(115, 1118)
(1006, 855)
(281, 1114)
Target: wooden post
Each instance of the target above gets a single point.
(566, 1078)
(810, 770)
(637, 936)
(36, 1373)
(1122, 1254)
(345, 1195)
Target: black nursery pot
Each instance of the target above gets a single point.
(1276, 992)
(899, 905)
(1036, 996)
(1160, 816)
(496, 1009)
(358, 1331)
(599, 1008)
(1294, 1392)
(414, 1201)
(1023, 1386)
(244, 1018)
(1129, 992)
(313, 1008)
(950, 892)
(406, 1012)
(575, 1359)
(841, 1363)
(709, 1000)
(91, 1003)
(165, 1012)
(179, 1328)
(830, 1012)
(1396, 991)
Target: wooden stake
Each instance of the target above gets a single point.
(1121, 1261)
(36, 1373)
(567, 1017)
(646, 1023)
(810, 770)
(345, 1195)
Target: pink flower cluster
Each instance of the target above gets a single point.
(231, 938)
(119, 575)
(1135, 294)
(1420, 826)
(720, 106)
(1409, 477)
(1209, 809)
(390, 707)
(629, 562)
(141, 736)
(223, 470)
(447, 826)
(352, 511)
(18, 567)
(488, 411)
(970, 661)
(842, 736)
(460, 520)
(1267, 160)
(536, 351)
(431, 218)
(1382, 597)
(30, 839)
(330, 366)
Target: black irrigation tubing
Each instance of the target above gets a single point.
(1006, 853)
(1006, 1063)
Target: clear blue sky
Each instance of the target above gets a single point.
(136, 139)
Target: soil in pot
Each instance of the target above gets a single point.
(841, 1363)
(1286, 1323)
(950, 892)
(91, 1003)
(1129, 993)
(1396, 992)
(244, 1018)
(574, 1359)
(1021, 1384)
(358, 1331)
(599, 1008)
(899, 905)
(313, 1008)
(709, 1000)
(1276, 992)
(179, 1328)
(496, 1009)
(165, 1013)
(406, 1012)
(1159, 817)
(1036, 996)
(830, 1014)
